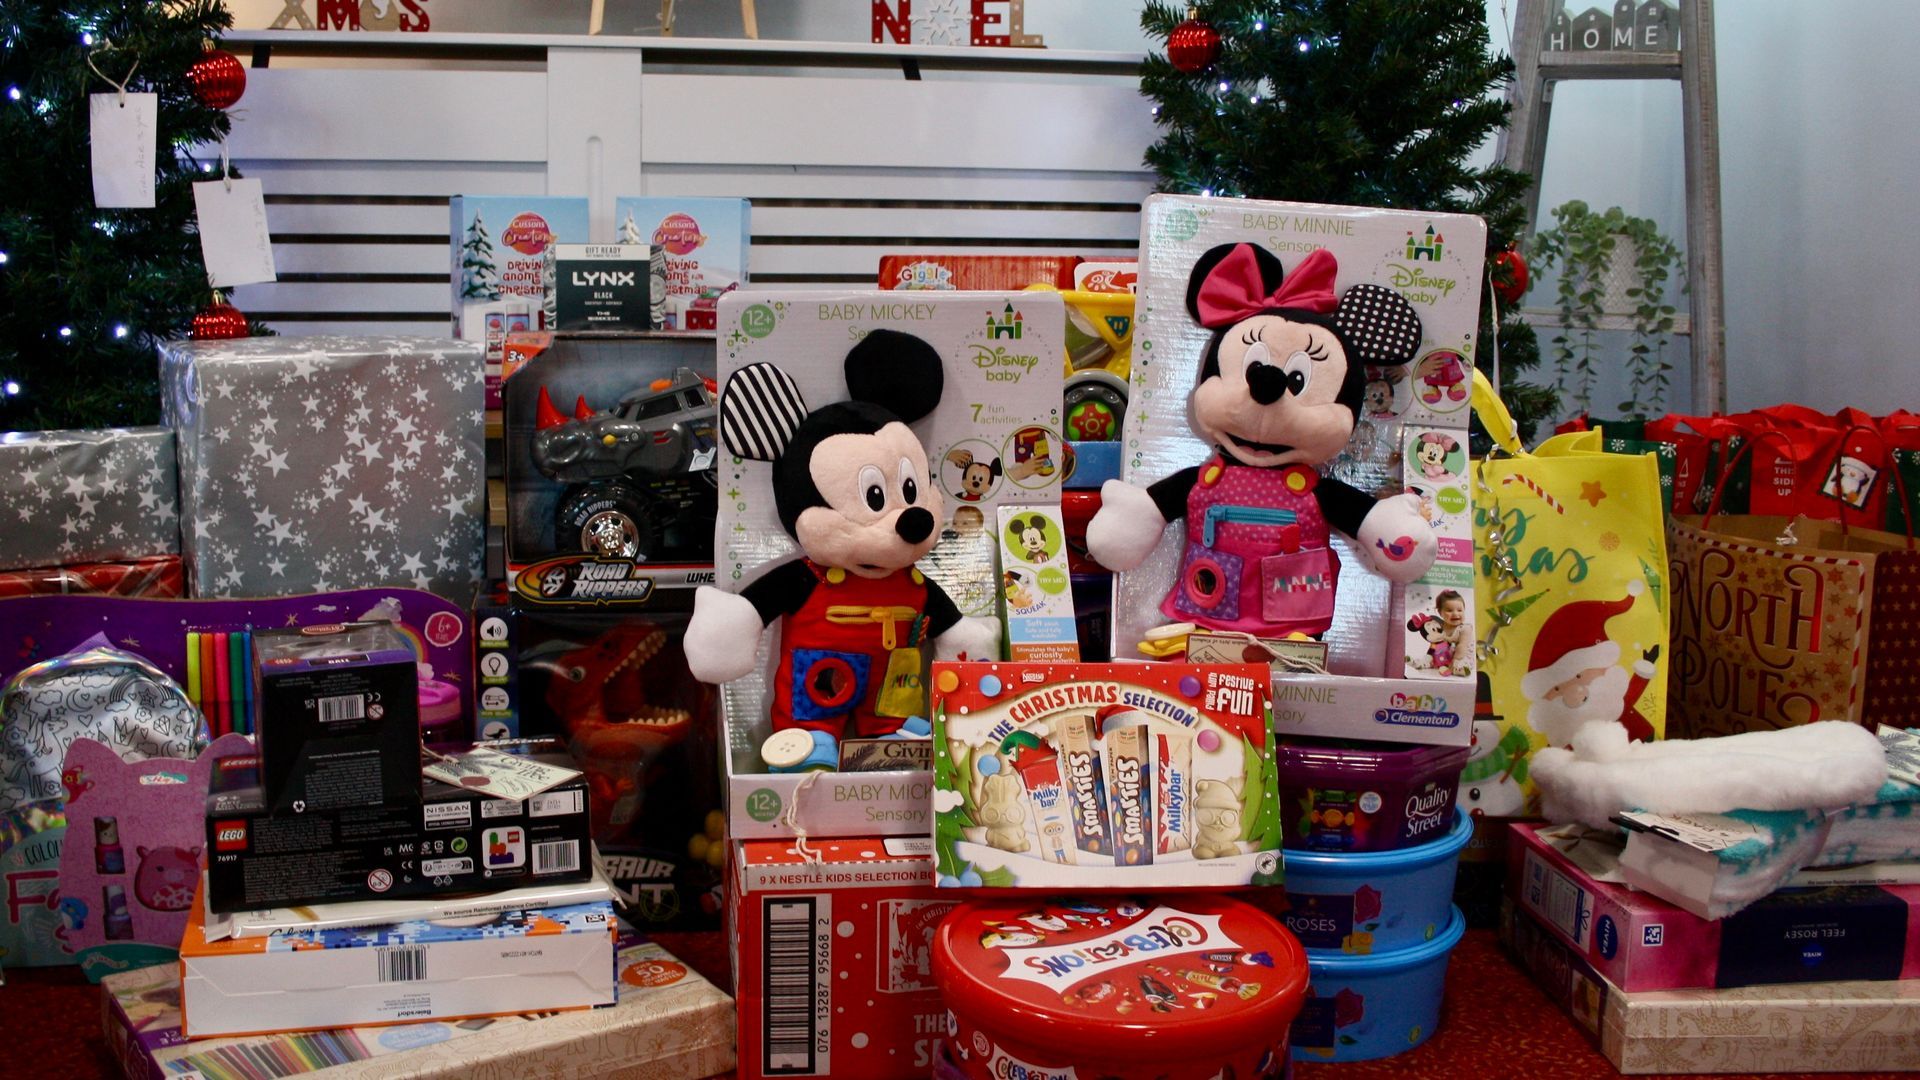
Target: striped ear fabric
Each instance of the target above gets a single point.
(760, 409)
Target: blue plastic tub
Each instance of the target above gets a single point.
(1363, 1007)
(1361, 902)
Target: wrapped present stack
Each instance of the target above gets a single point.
(90, 512)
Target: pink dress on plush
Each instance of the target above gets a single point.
(1257, 558)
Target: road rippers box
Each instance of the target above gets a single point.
(1104, 776)
(1186, 988)
(453, 840)
(832, 958)
(510, 962)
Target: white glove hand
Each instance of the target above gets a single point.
(722, 637)
(969, 639)
(1398, 542)
(1126, 528)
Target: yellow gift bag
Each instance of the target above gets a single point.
(1570, 577)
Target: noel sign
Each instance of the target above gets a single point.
(989, 23)
(1766, 634)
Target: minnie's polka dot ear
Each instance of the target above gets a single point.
(1378, 325)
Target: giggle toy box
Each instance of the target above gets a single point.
(1104, 776)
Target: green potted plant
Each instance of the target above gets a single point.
(1611, 264)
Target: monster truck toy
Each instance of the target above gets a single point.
(640, 478)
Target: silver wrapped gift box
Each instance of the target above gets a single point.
(87, 496)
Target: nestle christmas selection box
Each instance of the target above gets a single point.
(1104, 776)
(832, 962)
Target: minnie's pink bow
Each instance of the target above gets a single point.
(1231, 291)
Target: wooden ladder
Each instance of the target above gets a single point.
(1523, 145)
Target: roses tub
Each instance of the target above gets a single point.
(1182, 988)
(1378, 1005)
(1361, 902)
(1360, 796)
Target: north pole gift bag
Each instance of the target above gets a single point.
(1570, 577)
(1784, 621)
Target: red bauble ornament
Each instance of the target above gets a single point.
(1509, 276)
(219, 321)
(1193, 46)
(218, 79)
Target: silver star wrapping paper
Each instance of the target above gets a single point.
(87, 496)
(314, 463)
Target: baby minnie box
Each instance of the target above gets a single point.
(1362, 1007)
(1360, 796)
(1360, 902)
(1187, 988)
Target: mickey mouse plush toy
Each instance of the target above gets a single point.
(851, 485)
(1281, 380)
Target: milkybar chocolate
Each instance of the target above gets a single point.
(1039, 770)
(1173, 783)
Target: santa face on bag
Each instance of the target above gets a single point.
(1575, 676)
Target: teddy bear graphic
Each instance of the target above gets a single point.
(1216, 815)
(166, 877)
(1001, 814)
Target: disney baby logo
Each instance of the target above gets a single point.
(1161, 932)
(1419, 284)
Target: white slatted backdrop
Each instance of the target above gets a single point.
(847, 151)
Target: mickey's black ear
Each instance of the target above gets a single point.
(896, 371)
(1271, 273)
(760, 409)
(1377, 325)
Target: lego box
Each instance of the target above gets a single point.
(832, 960)
(1104, 776)
(453, 840)
(1000, 405)
(610, 467)
(509, 962)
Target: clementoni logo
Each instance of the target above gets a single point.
(527, 234)
(230, 836)
(1008, 325)
(1417, 710)
(679, 234)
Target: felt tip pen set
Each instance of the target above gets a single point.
(219, 682)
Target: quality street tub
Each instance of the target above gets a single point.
(1363, 902)
(1182, 988)
(1359, 796)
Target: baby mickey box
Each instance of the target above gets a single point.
(1104, 776)
(1399, 660)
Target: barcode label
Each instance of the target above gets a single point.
(342, 707)
(797, 988)
(556, 857)
(402, 963)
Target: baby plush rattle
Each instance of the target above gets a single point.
(851, 486)
(1281, 381)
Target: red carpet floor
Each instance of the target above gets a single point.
(1497, 1023)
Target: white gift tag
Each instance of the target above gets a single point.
(233, 232)
(122, 130)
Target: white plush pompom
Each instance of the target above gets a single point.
(1126, 528)
(970, 639)
(721, 636)
(1397, 540)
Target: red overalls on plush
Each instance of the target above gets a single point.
(1257, 558)
(833, 651)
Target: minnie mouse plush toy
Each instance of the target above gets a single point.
(1281, 380)
(851, 485)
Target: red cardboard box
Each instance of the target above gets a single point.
(832, 965)
(158, 577)
(976, 271)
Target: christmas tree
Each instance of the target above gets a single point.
(630, 231)
(1361, 102)
(84, 292)
(477, 280)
